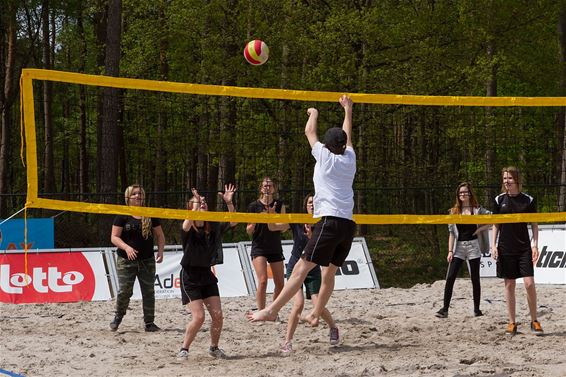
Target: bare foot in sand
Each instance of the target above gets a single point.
(261, 315)
(311, 320)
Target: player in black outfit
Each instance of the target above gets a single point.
(515, 251)
(266, 242)
(202, 249)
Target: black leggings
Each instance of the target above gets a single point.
(453, 270)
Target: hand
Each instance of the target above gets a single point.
(197, 198)
(159, 257)
(131, 253)
(450, 256)
(494, 253)
(534, 250)
(272, 207)
(228, 194)
(312, 112)
(346, 102)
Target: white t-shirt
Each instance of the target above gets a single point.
(333, 179)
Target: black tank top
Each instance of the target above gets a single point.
(466, 232)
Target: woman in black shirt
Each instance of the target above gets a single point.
(202, 249)
(513, 248)
(266, 242)
(134, 236)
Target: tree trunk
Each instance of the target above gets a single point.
(491, 126)
(48, 173)
(101, 22)
(227, 170)
(83, 155)
(7, 95)
(160, 177)
(108, 163)
(201, 174)
(110, 110)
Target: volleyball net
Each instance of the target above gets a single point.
(412, 151)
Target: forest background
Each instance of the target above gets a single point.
(92, 143)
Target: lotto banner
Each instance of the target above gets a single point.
(53, 277)
(356, 272)
(231, 281)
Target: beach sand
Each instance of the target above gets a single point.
(385, 332)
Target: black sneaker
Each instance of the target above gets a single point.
(477, 313)
(115, 323)
(442, 313)
(151, 327)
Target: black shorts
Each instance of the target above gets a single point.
(330, 242)
(191, 292)
(271, 258)
(515, 266)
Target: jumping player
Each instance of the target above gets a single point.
(332, 236)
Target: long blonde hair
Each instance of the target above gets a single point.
(146, 221)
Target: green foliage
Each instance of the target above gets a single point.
(410, 158)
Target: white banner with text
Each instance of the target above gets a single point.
(550, 268)
(356, 272)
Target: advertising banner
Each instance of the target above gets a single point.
(550, 268)
(231, 281)
(356, 272)
(52, 277)
(40, 234)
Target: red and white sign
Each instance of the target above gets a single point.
(52, 277)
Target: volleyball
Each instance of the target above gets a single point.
(256, 52)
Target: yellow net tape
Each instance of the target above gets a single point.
(33, 201)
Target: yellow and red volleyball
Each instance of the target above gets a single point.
(256, 52)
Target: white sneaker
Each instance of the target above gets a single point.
(183, 355)
(287, 348)
(334, 336)
(216, 352)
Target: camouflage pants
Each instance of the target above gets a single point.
(128, 271)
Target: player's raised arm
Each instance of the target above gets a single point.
(347, 104)
(310, 128)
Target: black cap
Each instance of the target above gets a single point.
(335, 140)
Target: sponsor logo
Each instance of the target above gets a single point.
(50, 277)
(486, 263)
(551, 259)
(168, 282)
(350, 267)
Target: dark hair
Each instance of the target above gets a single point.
(335, 140)
(305, 201)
